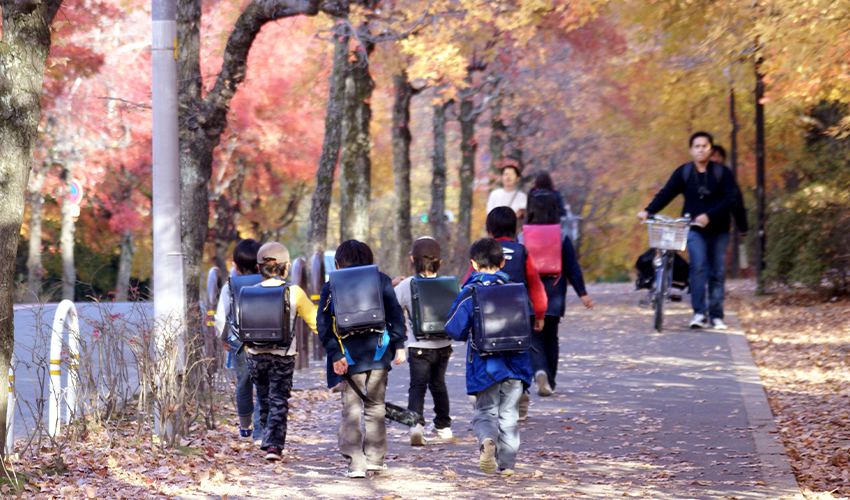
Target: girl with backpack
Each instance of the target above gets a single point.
(543, 210)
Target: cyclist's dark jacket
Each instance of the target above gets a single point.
(716, 203)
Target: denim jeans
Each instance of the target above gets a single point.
(544, 349)
(360, 448)
(245, 390)
(708, 270)
(495, 417)
(428, 372)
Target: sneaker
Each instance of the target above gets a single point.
(487, 459)
(543, 388)
(273, 454)
(355, 474)
(246, 433)
(718, 324)
(699, 321)
(417, 435)
(506, 472)
(376, 468)
(444, 433)
(524, 399)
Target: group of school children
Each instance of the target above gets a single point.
(255, 320)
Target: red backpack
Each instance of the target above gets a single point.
(544, 245)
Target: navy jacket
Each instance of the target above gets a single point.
(556, 286)
(364, 352)
(703, 195)
(481, 373)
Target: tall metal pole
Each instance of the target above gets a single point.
(169, 283)
(760, 194)
(733, 164)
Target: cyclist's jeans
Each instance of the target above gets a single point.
(708, 270)
(245, 391)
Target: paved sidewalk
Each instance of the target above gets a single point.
(675, 415)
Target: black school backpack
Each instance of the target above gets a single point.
(431, 301)
(266, 316)
(501, 319)
(739, 210)
(357, 301)
(237, 282)
(515, 257)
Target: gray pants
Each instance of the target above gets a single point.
(495, 417)
(363, 449)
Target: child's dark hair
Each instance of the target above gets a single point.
(542, 207)
(353, 253)
(428, 265)
(487, 253)
(245, 256)
(544, 181)
(273, 269)
(501, 222)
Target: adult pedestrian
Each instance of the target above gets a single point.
(709, 191)
(509, 195)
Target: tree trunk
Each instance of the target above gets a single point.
(498, 132)
(436, 216)
(355, 164)
(401, 173)
(317, 233)
(35, 271)
(66, 239)
(203, 118)
(26, 43)
(125, 265)
(467, 180)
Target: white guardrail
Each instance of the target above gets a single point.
(10, 410)
(65, 318)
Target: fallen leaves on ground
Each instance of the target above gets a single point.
(801, 344)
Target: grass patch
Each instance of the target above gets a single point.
(186, 451)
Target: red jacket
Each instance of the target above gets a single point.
(536, 291)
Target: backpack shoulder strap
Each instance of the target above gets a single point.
(686, 172)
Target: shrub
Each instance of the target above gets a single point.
(809, 239)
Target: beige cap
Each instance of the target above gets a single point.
(273, 251)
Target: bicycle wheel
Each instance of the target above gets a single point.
(661, 279)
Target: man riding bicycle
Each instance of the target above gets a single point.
(709, 189)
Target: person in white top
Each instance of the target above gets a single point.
(509, 195)
(428, 359)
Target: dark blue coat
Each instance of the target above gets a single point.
(481, 373)
(556, 286)
(364, 352)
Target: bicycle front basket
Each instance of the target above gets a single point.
(668, 235)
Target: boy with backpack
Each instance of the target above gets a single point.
(245, 261)
(496, 380)
(363, 357)
(428, 355)
(272, 364)
(520, 267)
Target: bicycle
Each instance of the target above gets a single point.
(666, 236)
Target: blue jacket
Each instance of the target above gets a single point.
(364, 352)
(481, 373)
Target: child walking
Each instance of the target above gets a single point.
(366, 360)
(272, 366)
(497, 381)
(428, 359)
(245, 261)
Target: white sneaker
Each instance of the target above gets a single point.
(718, 324)
(355, 474)
(699, 321)
(487, 457)
(444, 433)
(543, 388)
(417, 435)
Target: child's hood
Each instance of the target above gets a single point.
(487, 278)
